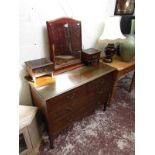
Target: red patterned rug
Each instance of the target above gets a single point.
(109, 132)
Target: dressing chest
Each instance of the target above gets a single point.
(73, 95)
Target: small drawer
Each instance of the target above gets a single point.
(96, 56)
(39, 67)
(42, 70)
(126, 71)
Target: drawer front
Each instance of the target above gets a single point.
(105, 88)
(84, 111)
(42, 70)
(90, 58)
(96, 56)
(60, 102)
(80, 98)
(62, 112)
(92, 86)
(77, 103)
(66, 103)
(99, 90)
(57, 126)
(105, 82)
(103, 96)
(107, 79)
(127, 70)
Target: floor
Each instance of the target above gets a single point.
(103, 133)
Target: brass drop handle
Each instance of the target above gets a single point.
(71, 96)
(68, 109)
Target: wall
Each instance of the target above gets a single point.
(33, 34)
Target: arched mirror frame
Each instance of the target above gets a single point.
(65, 40)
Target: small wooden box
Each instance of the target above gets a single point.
(39, 67)
(90, 56)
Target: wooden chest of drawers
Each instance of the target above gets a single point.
(74, 95)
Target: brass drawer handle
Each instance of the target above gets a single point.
(68, 109)
(71, 96)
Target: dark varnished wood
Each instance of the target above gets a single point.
(39, 67)
(73, 95)
(90, 56)
(72, 79)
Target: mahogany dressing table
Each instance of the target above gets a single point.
(73, 95)
(79, 90)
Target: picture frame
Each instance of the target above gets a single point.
(124, 7)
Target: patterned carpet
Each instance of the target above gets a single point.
(102, 133)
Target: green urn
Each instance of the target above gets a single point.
(127, 48)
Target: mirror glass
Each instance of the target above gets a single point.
(65, 42)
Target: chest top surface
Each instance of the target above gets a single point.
(72, 79)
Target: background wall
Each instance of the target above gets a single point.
(33, 34)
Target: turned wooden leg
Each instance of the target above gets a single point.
(132, 83)
(105, 106)
(51, 142)
(50, 137)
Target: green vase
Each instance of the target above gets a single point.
(127, 48)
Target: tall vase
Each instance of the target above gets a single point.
(127, 48)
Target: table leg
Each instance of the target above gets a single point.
(105, 106)
(132, 83)
(114, 88)
(51, 142)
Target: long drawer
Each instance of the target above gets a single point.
(67, 120)
(60, 124)
(77, 103)
(66, 103)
